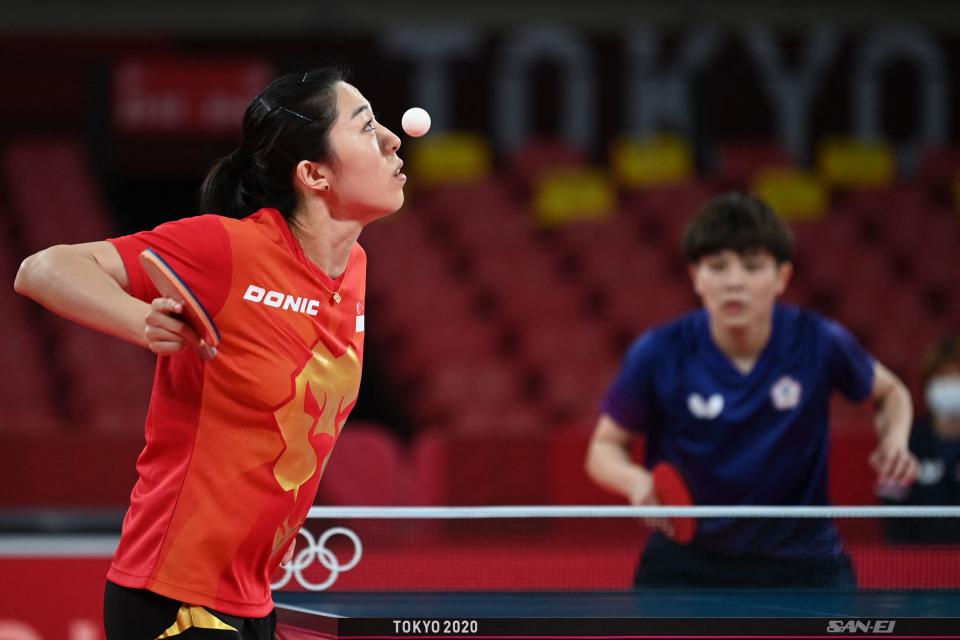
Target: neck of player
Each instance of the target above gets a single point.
(742, 343)
(326, 240)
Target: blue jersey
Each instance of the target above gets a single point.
(759, 438)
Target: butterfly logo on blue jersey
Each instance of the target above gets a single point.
(705, 408)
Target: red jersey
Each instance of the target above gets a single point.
(235, 446)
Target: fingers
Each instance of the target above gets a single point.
(165, 333)
(166, 305)
(881, 460)
(663, 525)
(904, 468)
(896, 465)
(644, 495)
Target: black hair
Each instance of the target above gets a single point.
(739, 223)
(289, 122)
(946, 351)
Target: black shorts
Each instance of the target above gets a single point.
(665, 563)
(138, 614)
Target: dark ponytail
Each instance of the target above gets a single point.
(221, 188)
(289, 122)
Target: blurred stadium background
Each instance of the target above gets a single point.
(571, 142)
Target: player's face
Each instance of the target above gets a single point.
(947, 424)
(365, 181)
(739, 290)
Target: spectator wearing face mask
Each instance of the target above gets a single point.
(935, 441)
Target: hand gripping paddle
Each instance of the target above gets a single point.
(170, 285)
(672, 490)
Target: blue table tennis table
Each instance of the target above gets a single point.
(623, 614)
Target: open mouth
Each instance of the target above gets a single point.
(397, 174)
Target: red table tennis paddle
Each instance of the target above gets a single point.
(171, 285)
(672, 490)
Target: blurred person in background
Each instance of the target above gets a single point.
(735, 397)
(935, 441)
(235, 446)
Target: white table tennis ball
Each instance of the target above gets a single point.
(415, 121)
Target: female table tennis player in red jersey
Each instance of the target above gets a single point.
(235, 446)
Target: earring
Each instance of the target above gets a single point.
(325, 187)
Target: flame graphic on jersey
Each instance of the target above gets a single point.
(310, 420)
(284, 535)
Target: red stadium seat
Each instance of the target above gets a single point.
(29, 389)
(934, 265)
(928, 247)
(484, 242)
(447, 387)
(110, 379)
(451, 202)
(635, 308)
(569, 484)
(861, 308)
(397, 249)
(797, 293)
(851, 477)
(512, 264)
(939, 166)
(616, 233)
(833, 255)
(524, 302)
(739, 161)
(367, 467)
(406, 310)
(428, 454)
(513, 418)
(883, 201)
(636, 269)
(951, 315)
(30, 397)
(498, 468)
(545, 344)
(663, 213)
(447, 339)
(537, 157)
(68, 210)
(574, 389)
(454, 209)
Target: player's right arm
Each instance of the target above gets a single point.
(610, 465)
(88, 283)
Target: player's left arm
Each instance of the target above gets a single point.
(892, 459)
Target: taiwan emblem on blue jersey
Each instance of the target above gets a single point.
(785, 393)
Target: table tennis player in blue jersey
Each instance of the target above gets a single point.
(735, 397)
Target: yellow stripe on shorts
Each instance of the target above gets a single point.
(198, 617)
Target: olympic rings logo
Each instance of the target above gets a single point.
(317, 549)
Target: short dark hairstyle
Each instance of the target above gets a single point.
(737, 222)
(289, 122)
(946, 351)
